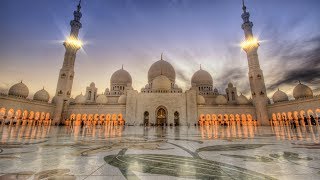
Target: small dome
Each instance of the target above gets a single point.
(201, 100)
(175, 86)
(161, 83)
(80, 99)
(161, 67)
(92, 84)
(54, 100)
(302, 91)
(102, 99)
(72, 100)
(216, 90)
(122, 77)
(41, 95)
(242, 100)
(122, 99)
(146, 86)
(221, 100)
(279, 96)
(230, 85)
(201, 77)
(19, 90)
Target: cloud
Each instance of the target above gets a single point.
(299, 61)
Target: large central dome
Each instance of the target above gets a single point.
(121, 76)
(161, 67)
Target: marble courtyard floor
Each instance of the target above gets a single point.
(209, 152)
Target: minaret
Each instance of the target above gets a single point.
(72, 44)
(257, 85)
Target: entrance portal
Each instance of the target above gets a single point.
(161, 115)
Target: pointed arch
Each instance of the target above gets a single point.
(232, 117)
(96, 117)
(42, 115)
(237, 117)
(296, 115)
(243, 117)
(214, 117)
(72, 117)
(84, 117)
(2, 113)
(90, 117)
(310, 113)
(78, 117)
(284, 116)
(18, 114)
(47, 116)
(302, 114)
(108, 117)
(226, 117)
(208, 117)
(37, 116)
(31, 115)
(25, 114)
(290, 117)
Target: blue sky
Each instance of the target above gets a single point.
(135, 32)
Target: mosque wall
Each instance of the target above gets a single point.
(191, 96)
(171, 102)
(131, 106)
(113, 99)
(16, 104)
(300, 105)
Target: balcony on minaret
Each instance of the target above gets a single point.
(251, 43)
(73, 43)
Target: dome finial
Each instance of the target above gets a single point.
(79, 6)
(299, 82)
(21, 81)
(122, 67)
(43, 87)
(161, 56)
(200, 67)
(278, 89)
(244, 8)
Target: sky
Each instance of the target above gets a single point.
(135, 32)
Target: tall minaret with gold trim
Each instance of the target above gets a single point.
(72, 44)
(257, 85)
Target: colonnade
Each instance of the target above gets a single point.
(226, 119)
(24, 117)
(296, 118)
(95, 119)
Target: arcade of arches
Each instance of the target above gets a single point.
(24, 117)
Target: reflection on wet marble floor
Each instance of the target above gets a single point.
(209, 152)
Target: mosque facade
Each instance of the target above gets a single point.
(161, 101)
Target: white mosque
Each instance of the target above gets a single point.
(160, 101)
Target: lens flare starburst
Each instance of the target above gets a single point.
(249, 43)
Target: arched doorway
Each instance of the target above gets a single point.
(161, 116)
(146, 118)
(176, 118)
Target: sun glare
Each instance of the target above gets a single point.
(248, 43)
(74, 42)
